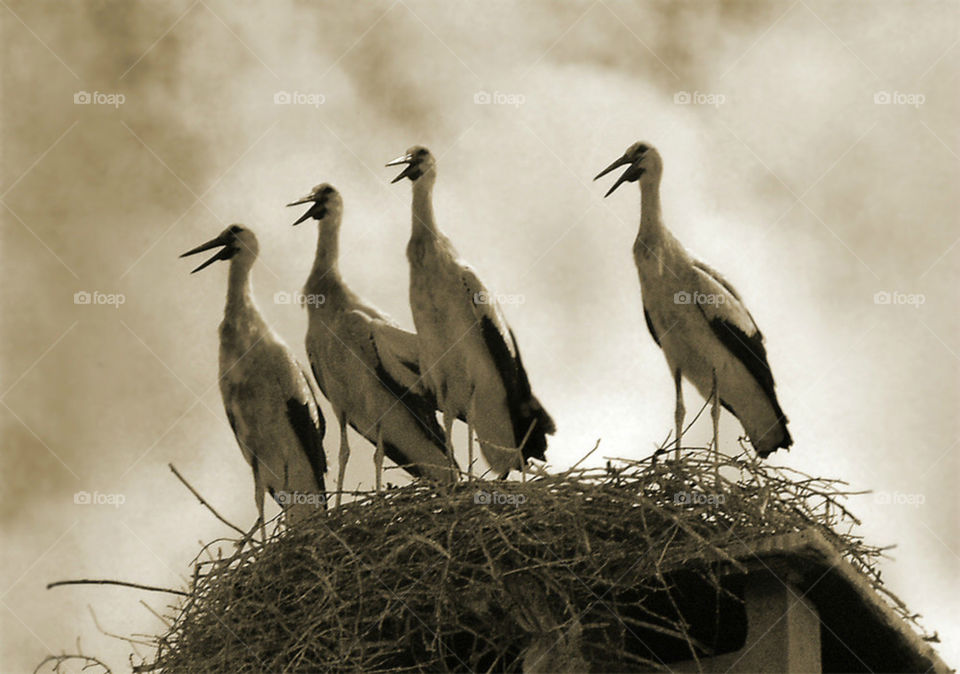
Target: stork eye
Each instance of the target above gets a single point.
(236, 229)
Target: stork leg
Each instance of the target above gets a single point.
(344, 456)
(448, 419)
(470, 415)
(258, 497)
(715, 414)
(679, 412)
(469, 452)
(378, 460)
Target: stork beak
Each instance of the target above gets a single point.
(619, 162)
(303, 200)
(631, 174)
(224, 254)
(408, 171)
(318, 210)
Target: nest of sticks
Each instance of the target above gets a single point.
(556, 572)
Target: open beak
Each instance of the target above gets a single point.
(303, 200)
(631, 174)
(224, 254)
(318, 210)
(407, 172)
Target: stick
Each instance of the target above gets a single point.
(138, 586)
(204, 502)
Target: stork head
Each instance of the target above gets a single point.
(420, 163)
(236, 243)
(326, 203)
(644, 165)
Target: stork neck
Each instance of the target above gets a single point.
(326, 262)
(651, 218)
(239, 289)
(328, 246)
(423, 223)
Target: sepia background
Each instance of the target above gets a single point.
(811, 155)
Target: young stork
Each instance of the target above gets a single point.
(468, 355)
(366, 366)
(267, 395)
(699, 320)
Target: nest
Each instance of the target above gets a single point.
(571, 569)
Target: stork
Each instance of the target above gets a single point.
(468, 355)
(267, 395)
(699, 321)
(366, 366)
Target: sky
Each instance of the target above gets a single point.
(810, 152)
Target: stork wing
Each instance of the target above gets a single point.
(399, 350)
(526, 412)
(716, 276)
(312, 445)
(380, 356)
(486, 310)
(304, 415)
(400, 353)
(277, 390)
(734, 326)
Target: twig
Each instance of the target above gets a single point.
(121, 583)
(58, 660)
(204, 502)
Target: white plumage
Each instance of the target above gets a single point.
(468, 355)
(699, 320)
(267, 396)
(366, 366)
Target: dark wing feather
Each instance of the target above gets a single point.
(653, 332)
(392, 452)
(421, 408)
(524, 408)
(750, 351)
(310, 434)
